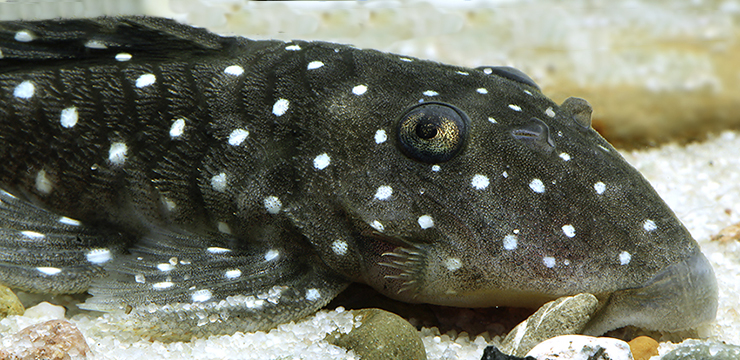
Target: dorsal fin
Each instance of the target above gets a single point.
(88, 40)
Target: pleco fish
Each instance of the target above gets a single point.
(210, 184)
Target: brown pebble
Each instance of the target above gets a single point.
(728, 234)
(643, 347)
(52, 340)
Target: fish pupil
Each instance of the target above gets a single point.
(426, 130)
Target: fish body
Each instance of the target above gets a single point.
(214, 184)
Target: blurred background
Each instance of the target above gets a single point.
(655, 71)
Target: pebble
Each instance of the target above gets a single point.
(704, 350)
(581, 347)
(51, 340)
(382, 335)
(9, 303)
(563, 316)
(492, 353)
(643, 347)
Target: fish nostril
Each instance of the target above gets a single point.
(535, 134)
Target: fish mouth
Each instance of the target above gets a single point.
(680, 297)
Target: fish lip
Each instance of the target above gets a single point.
(679, 297)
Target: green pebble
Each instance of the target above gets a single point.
(382, 336)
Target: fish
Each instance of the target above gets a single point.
(201, 184)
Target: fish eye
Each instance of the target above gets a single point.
(432, 132)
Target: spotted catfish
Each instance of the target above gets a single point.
(210, 184)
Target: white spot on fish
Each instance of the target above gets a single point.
(43, 184)
(430, 93)
(384, 192)
(223, 227)
(139, 278)
(564, 156)
(98, 256)
(95, 44)
(569, 230)
(550, 112)
(537, 186)
(528, 92)
(235, 70)
(238, 136)
(123, 57)
(32, 234)
(201, 295)
(436, 168)
(624, 258)
(271, 254)
(453, 264)
(24, 90)
(406, 59)
(487, 71)
(426, 222)
(24, 36)
(492, 120)
(217, 250)
(377, 225)
(49, 270)
(169, 204)
(380, 136)
(482, 91)
(292, 48)
(117, 153)
(505, 174)
(165, 267)
(273, 204)
(68, 221)
(359, 89)
(649, 225)
(162, 285)
(321, 161)
(177, 128)
(510, 242)
(479, 182)
(599, 187)
(313, 294)
(515, 107)
(314, 65)
(69, 118)
(604, 148)
(339, 247)
(145, 80)
(232, 274)
(549, 261)
(280, 107)
(219, 182)
(462, 73)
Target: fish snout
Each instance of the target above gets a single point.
(682, 296)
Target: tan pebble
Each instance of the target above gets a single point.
(728, 234)
(9, 303)
(643, 347)
(52, 340)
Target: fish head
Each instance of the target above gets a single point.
(470, 188)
